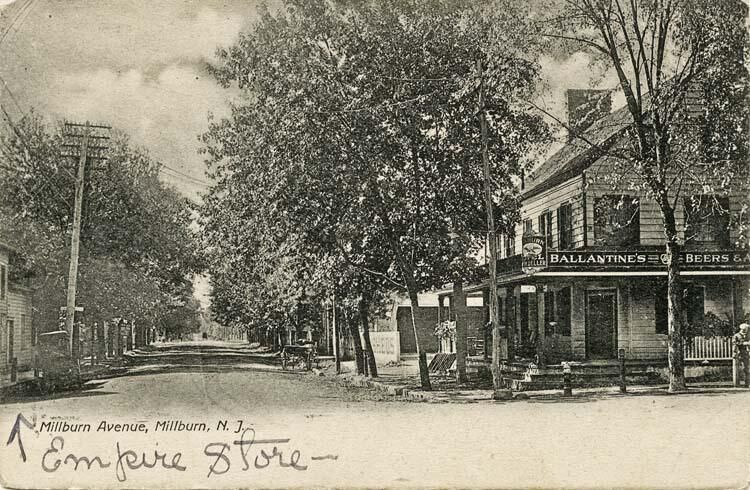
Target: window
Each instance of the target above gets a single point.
(565, 227)
(510, 245)
(3, 274)
(617, 221)
(545, 227)
(563, 298)
(695, 297)
(549, 307)
(528, 227)
(707, 221)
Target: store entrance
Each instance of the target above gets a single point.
(601, 324)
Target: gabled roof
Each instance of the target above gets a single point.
(578, 153)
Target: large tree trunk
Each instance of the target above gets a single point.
(359, 355)
(674, 319)
(674, 304)
(416, 317)
(459, 306)
(364, 316)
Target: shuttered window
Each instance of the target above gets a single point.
(563, 299)
(565, 226)
(545, 227)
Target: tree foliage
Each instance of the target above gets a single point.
(137, 249)
(356, 148)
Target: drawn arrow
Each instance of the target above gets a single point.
(16, 433)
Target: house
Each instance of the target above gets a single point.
(397, 318)
(583, 276)
(17, 337)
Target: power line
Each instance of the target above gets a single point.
(186, 176)
(12, 96)
(25, 9)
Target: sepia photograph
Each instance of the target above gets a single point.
(374, 244)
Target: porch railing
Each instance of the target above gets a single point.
(708, 349)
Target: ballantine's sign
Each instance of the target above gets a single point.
(533, 253)
(637, 258)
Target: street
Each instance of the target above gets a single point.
(327, 433)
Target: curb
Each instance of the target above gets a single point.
(363, 382)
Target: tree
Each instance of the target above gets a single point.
(668, 55)
(359, 129)
(137, 248)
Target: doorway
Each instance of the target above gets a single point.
(601, 324)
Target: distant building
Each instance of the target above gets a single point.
(398, 318)
(17, 337)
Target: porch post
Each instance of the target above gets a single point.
(440, 320)
(513, 330)
(541, 325)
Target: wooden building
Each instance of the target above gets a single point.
(584, 276)
(17, 338)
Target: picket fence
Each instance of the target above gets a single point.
(709, 349)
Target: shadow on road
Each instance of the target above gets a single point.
(205, 357)
(28, 392)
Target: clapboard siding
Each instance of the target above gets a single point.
(19, 311)
(651, 224)
(569, 191)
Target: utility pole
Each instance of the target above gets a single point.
(336, 353)
(500, 392)
(84, 133)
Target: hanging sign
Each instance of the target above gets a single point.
(533, 253)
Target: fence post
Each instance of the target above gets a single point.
(735, 372)
(621, 358)
(567, 373)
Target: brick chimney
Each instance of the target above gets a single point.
(585, 107)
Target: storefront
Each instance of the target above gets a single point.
(585, 305)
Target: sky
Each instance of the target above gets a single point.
(140, 65)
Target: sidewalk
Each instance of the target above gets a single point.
(402, 381)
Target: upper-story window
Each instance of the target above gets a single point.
(545, 227)
(528, 227)
(565, 226)
(3, 279)
(617, 221)
(707, 221)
